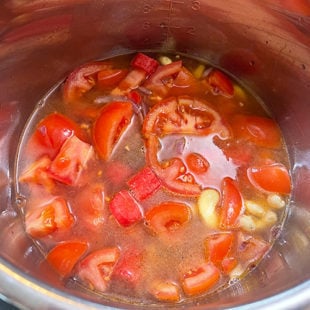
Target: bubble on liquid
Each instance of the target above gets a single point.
(20, 201)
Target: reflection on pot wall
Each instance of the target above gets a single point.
(264, 43)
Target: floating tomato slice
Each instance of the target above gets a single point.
(260, 130)
(160, 81)
(270, 178)
(201, 279)
(168, 216)
(231, 206)
(165, 291)
(144, 184)
(110, 77)
(218, 245)
(91, 210)
(44, 220)
(65, 255)
(250, 249)
(110, 125)
(197, 163)
(131, 81)
(144, 62)
(220, 83)
(71, 160)
(96, 269)
(129, 266)
(125, 209)
(82, 79)
(51, 133)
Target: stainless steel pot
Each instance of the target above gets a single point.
(265, 43)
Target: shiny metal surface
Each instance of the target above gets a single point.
(266, 44)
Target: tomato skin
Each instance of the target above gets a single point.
(144, 184)
(51, 133)
(220, 83)
(132, 80)
(201, 279)
(165, 291)
(231, 205)
(262, 131)
(95, 270)
(44, 220)
(168, 216)
(110, 77)
(271, 178)
(110, 125)
(82, 79)
(218, 245)
(71, 160)
(144, 62)
(125, 209)
(65, 255)
(197, 163)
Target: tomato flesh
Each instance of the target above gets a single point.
(65, 255)
(270, 178)
(144, 62)
(110, 125)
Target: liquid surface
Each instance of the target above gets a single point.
(153, 178)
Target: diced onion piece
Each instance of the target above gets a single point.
(275, 201)
(254, 208)
(164, 60)
(207, 202)
(247, 223)
(269, 219)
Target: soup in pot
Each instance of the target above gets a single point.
(152, 177)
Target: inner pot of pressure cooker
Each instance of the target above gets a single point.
(154, 153)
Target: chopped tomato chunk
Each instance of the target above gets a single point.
(44, 220)
(220, 83)
(218, 245)
(201, 279)
(132, 80)
(228, 264)
(270, 178)
(110, 125)
(144, 62)
(95, 270)
(125, 209)
(65, 255)
(71, 160)
(144, 184)
(231, 206)
(165, 291)
(51, 133)
(168, 216)
(262, 131)
(110, 77)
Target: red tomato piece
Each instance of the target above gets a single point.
(197, 163)
(110, 125)
(231, 205)
(38, 173)
(132, 80)
(44, 220)
(144, 62)
(110, 77)
(65, 255)
(168, 216)
(125, 209)
(201, 279)
(220, 83)
(228, 264)
(135, 97)
(271, 178)
(260, 130)
(82, 79)
(250, 249)
(71, 160)
(91, 207)
(51, 133)
(165, 291)
(129, 266)
(144, 184)
(95, 270)
(218, 245)
(162, 79)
